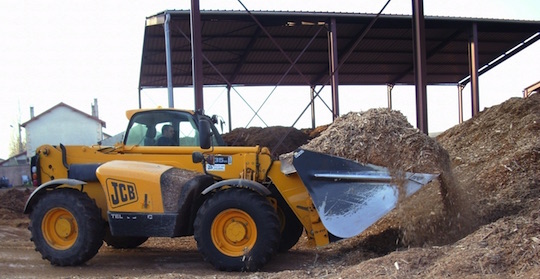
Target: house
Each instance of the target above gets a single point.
(109, 140)
(17, 160)
(63, 124)
(59, 124)
(15, 170)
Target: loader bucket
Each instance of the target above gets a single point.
(349, 196)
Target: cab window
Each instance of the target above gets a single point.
(147, 129)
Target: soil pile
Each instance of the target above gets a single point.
(313, 133)
(495, 159)
(384, 137)
(278, 139)
(12, 204)
(495, 155)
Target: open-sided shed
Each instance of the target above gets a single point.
(255, 48)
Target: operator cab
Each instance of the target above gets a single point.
(168, 127)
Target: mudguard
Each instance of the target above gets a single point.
(349, 196)
(43, 187)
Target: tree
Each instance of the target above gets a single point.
(17, 145)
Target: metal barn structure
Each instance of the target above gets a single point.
(256, 48)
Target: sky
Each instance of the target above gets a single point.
(75, 51)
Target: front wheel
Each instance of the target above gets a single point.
(66, 227)
(237, 230)
(290, 227)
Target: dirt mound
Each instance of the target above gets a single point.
(509, 245)
(384, 137)
(12, 204)
(495, 155)
(278, 139)
(14, 199)
(313, 133)
(494, 159)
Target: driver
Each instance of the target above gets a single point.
(167, 136)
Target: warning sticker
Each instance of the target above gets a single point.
(215, 167)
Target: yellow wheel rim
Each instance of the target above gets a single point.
(59, 228)
(234, 232)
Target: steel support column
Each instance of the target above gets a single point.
(389, 87)
(196, 54)
(420, 65)
(473, 69)
(460, 102)
(334, 76)
(229, 106)
(168, 60)
(312, 98)
(140, 103)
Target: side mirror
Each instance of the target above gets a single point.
(205, 133)
(197, 157)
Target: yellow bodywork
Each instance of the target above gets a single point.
(138, 190)
(134, 191)
(296, 195)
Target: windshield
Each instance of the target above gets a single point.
(166, 128)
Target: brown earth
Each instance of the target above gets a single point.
(278, 139)
(481, 219)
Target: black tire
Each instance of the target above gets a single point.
(290, 227)
(123, 242)
(237, 230)
(66, 227)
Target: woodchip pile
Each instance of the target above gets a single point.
(384, 137)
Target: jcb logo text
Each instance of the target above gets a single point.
(121, 192)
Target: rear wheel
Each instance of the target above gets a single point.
(66, 227)
(237, 230)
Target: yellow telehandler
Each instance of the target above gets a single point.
(241, 205)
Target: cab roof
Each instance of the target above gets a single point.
(132, 112)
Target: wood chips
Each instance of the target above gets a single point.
(384, 137)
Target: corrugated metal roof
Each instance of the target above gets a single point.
(244, 55)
